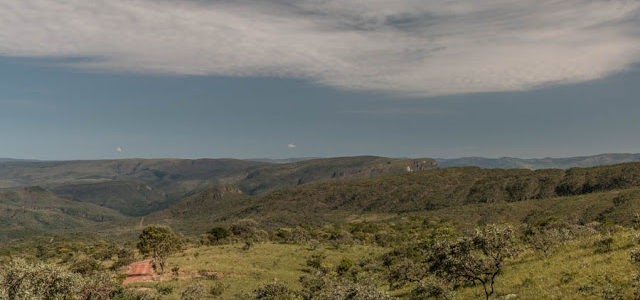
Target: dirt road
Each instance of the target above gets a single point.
(139, 272)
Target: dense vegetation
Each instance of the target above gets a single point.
(484, 194)
(136, 187)
(540, 163)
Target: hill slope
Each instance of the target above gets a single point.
(426, 191)
(539, 163)
(35, 210)
(137, 187)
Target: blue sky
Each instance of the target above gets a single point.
(249, 79)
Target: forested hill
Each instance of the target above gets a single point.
(425, 191)
(136, 187)
(540, 163)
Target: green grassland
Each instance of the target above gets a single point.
(241, 271)
(575, 270)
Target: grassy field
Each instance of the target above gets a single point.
(573, 271)
(241, 271)
(577, 270)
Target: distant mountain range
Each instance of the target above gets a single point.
(41, 196)
(539, 163)
(136, 187)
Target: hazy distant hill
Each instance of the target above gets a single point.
(131, 186)
(33, 210)
(136, 187)
(539, 163)
(282, 160)
(266, 178)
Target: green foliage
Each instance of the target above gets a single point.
(344, 289)
(22, 280)
(432, 288)
(218, 235)
(604, 244)
(246, 229)
(273, 291)
(195, 291)
(164, 289)
(344, 266)
(475, 258)
(317, 262)
(87, 266)
(158, 242)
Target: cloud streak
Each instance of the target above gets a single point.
(413, 48)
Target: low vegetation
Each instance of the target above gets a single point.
(547, 234)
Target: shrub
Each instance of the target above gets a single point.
(432, 287)
(344, 266)
(125, 257)
(604, 244)
(477, 258)
(86, 266)
(208, 275)
(316, 261)
(100, 287)
(164, 289)
(158, 242)
(273, 291)
(338, 290)
(245, 228)
(22, 280)
(217, 288)
(218, 235)
(195, 291)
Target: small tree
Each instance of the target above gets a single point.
(545, 239)
(476, 258)
(245, 229)
(218, 235)
(158, 242)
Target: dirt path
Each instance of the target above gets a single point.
(139, 272)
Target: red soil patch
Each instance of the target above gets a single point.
(139, 272)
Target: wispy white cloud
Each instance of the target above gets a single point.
(119, 149)
(410, 47)
(291, 146)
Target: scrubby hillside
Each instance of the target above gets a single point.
(441, 191)
(34, 210)
(267, 178)
(136, 187)
(540, 163)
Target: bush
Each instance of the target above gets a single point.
(125, 257)
(195, 291)
(273, 291)
(603, 245)
(344, 266)
(87, 266)
(218, 235)
(245, 228)
(217, 288)
(432, 287)
(316, 261)
(208, 275)
(338, 290)
(164, 289)
(22, 280)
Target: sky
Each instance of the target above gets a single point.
(318, 78)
